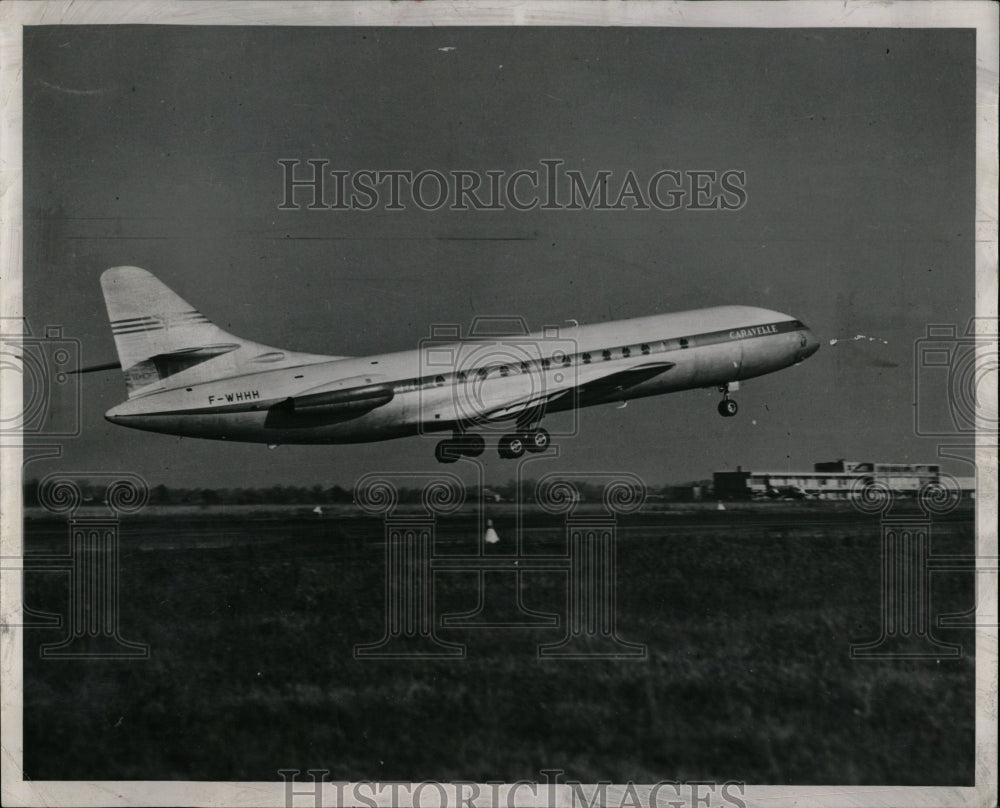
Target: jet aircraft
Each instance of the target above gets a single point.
(186, 376)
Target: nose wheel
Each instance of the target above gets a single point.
(727, 407)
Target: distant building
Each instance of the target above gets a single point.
(684, 492)
(732, 484)
(839, 479)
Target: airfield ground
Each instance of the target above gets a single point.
(747, 615)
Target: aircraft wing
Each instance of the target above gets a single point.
(610, 386)
(590, 386)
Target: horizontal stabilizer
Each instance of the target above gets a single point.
(98, 368)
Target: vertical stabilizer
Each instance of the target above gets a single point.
(157, 333)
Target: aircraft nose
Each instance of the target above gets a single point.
(114, 415)
(811, 345)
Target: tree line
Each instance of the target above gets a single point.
(94, 492)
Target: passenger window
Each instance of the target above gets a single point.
(504, 370)
(684, 342)
(645, 349)
(483, 372)
(525, 368)
(546, 363)
(626, 352)
(586, 359)
(439, 381)
(605, 355)
(461, 375)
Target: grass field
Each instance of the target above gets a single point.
(747, 616)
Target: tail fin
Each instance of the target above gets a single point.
(157, 333)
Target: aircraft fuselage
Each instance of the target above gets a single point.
(302, 398)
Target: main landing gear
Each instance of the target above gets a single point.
(448, 451)
(727, 407)
(529, 440)
(509, 447)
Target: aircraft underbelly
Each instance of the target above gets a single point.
(264, 427)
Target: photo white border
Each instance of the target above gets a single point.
(983, 16)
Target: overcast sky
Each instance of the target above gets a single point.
(158, 147)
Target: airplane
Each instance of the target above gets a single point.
(186, 376)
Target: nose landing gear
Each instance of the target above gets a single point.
(727, 407)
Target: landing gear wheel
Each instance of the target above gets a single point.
(472, 445)
(728, 408)
(511, 447)
(446, 452)
(537, 440)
